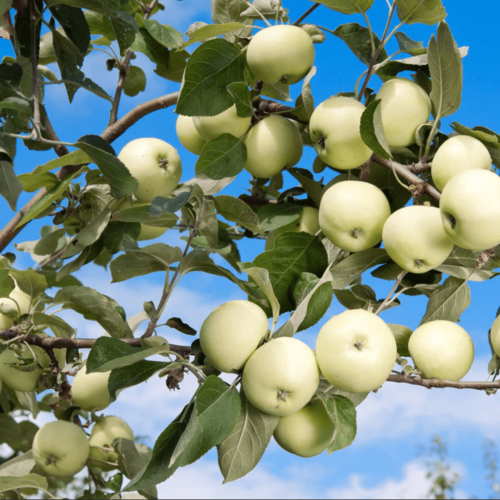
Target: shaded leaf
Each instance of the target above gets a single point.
(343, 415)
(10, 187)
(235, 210)
(348, 6)
(372, 130)
(402, 335)
(210, 31)
(420, 11)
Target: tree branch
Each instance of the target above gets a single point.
(431, 383)
(36, 132)
(310, 11)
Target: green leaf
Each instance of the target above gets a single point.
(343, 415)
(462, 263)
(75, 25)
(10, 187)
(30, 282)
(359, 297)
(99, 24)
(77, 157)
(143, 215)
(35, 481)
(313, 188)
(242, 98)
(10, 432)
(226, 11)
(274, 216)
(163, 34)
(242, 450)
(146, 44)
(49, 243)
(18, 466)
(357, 38)
(173, 68)
(445, 65)
(224, 156)
(412, 47)
(135, 374)
(420, 11)
(58, 326)
(150, 259)
(124, 28)
(348, 6)
(402, 335)
(7, 284)
(235, 210)
(293, 254)
(17, 104)
(94, 306)
(326, 389)
(372, 130)
(169, 205)
(28, 401)
(107, 7)
(211, 31)
(135, 81)
(448, 302)
(211, 68)
(34, 182)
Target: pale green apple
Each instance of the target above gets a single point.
(334, 130)
(470, 209)
(156, 166)
(280, 54)
(415, 239)
(405, 106)
(456, 155)
(306, 433)
(105, 431)
(442, 349)
(352, 215)
(281, 377)
(273, 144)
(227, 122)
(61, 449)
(5, 322)
(495, 336)
(188, 134)
(231, 333)
(90, 390)
(18, 300)
(306, 223)
(356, 351)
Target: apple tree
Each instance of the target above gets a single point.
(385, 196)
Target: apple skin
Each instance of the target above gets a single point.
(5, 322)
(334, 130)
(231, 334)
(306, 223)
(442, 349)
(105, 431)
(90, 391)
(188, 135)
(352, 215)
(415, 239)
(405, 106)
(65, 445)
(495, 336)
(155, 164)
(308, 432)
(284, 366)
(472, 198)
(273, 144)
(227, 122)
(23, 301)
(280, 54)
(456, 155)
(348, 365)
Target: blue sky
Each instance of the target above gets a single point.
(383, 461)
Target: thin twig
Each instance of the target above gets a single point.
(431, 383)
(393, 289)
(303, 16)
(37, 122)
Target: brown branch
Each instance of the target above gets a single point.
(266, 107)
(385, 303)
(431, 383)
(310, 11)
(60, 149)
(37, 134)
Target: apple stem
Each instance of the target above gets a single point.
(282, 395)
(355, 233)
(358, 345)
(453, 221)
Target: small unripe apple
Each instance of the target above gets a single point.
(356, 351)
(61, 449)
(495, 336)
(90, 390)
(405, 106)
(227, 122)
(352, 215)
(5, 322)
(442, 349)
(231, 333)
(306, 223)
(456, 155)
(188, 134)
(470, 209)
(105, 431)
(334, 129)
(280, 54)
(17, 298)
(306, 433)
(415, 239)
(281, 377)
(155, 164)
(273, 144)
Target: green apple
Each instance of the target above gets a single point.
(356, 351)
(334, 130)
(352, 215)
(61, 449)
(306, 223)
(273, 144)
(495, 336)
(155, 164)
(405, 106)
(470, 209)
(231, 333)
(90, 390)
(281, 377)
(188, 134)
(227, 122)
(456, 155)
(415, 239)
(5, 322)
(306, 433)
(280, 54)
(105, 431)
(442, 349)
(18, 300)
